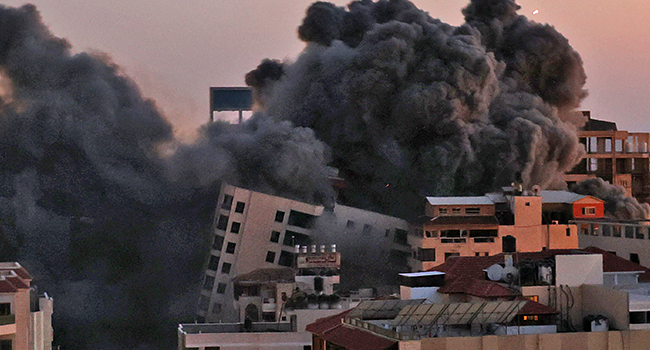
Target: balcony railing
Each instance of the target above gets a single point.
(7, 319)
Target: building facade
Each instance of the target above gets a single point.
(476, 226)
(25, 317)
(616, 156)
(253, 230)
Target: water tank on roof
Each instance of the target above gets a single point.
(495, 272)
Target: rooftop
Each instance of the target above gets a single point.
(478, 200)
(267, 275)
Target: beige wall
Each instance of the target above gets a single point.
(611, 303)
(613, 340)
(579, 269)
(249, 341)
(621, 245)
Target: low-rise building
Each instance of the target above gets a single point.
(475, 226)
(552, 299)
(25, 316)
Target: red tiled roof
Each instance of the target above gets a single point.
(333, 330)
(474, 266)
(535, 308)
(17, 268)
(476, 287)
(7, 287)
(326, 323)
(18, 282)
(353, 338)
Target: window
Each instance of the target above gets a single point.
(218, 242)
(208, 283)
(367, 229)
(455, 211)
(401, 237)
(637, 317)
(306, 347)
(227, 202)
(634, 257)
(275, 236)
(5, 309)
(449, 255)
(629, 231)
(568, 231)
(286, 259)
(270, 257)
(531, 318)
(216, 308)
(534, 298)
(235, 227)
(214, 263)
(221, 288)
(442, 210)
(300, 219)
(589, 211)
(222, 224)
(212, 348)
(225, 268)
(230, 248)
(472, 211)
(427, 254)
(619, 145)
(349, 224)
(431, 234)
(240, 207)
(279, 216)
(6, 344)
(607, 230)
(204, 303)
(593, 164)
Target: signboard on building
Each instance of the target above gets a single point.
(319, 260)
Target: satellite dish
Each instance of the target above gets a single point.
(536, 190)
(495, 272)
(510, 274)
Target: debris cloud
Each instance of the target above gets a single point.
(404, 99)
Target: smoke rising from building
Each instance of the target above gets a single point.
(411, 106)
(112, 215)
(98, 200)
(617, 202)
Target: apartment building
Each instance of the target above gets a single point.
(627, 239)
(619, 157)
(476, 226)
(25, 317)
(254, 230)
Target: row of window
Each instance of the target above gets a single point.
(222, 224)
(460, 233)
(227, 204)
(458, 211)
(614, 231)
(208, 284)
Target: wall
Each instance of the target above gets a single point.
(575, 270)
(611, 303)
(249, 341)
(614, 340)
(621, 245)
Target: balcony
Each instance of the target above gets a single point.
(7, 319)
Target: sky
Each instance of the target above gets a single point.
(175, 50)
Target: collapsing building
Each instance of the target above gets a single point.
(253, 230)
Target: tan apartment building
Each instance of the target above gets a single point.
(254, 230)
(476, 226)
(25, 318)
(619, 157)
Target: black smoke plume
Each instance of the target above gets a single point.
(617, 202)
(411, 106)
(102, 205)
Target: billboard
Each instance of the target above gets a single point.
(319, 260)
(231, 99)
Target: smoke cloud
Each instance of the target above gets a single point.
(411, 106)
(101, 204)
(617, 202)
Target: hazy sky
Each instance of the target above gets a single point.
(176, 50)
